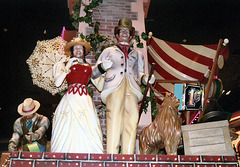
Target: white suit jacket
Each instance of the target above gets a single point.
(132, 68)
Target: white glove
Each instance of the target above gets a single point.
(35, 136)
(12, 147)
(106, 64)
(145, 79)
(70, 62)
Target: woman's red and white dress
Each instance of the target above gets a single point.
(76, 127)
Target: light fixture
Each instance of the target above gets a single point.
(228, 93)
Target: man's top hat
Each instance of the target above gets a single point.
(125, 23)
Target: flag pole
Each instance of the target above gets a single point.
(177, 81)
(206, 93)
(146, 90)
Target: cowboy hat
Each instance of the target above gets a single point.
(77, 41)
(28, 107)
(125, 23)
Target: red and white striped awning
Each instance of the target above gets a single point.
(181, 62)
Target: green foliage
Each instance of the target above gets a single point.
(150, 100)
(144, 36)
(99, 42)
(137, 38)
(96, 40)
(90, 91)
(153, 105)
(138, 41)
(140, 45)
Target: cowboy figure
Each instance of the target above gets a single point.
(31, 127)
(123, 68)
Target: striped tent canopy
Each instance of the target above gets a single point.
(181, 62)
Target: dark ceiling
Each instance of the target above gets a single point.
(23, 24)
(203, 22)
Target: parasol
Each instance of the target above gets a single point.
(41, 61)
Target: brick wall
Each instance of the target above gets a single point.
(109, 12)
(31, 159)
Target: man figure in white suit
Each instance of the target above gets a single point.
(123, 69)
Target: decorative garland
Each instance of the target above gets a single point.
(99, 42)
(150, 99)
(138, 41)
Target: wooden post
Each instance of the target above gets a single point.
(146, 90)
(187, 116)
(206, 93)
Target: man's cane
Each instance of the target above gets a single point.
(146, 90)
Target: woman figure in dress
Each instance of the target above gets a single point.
(76, 127)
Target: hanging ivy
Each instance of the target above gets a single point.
(150, 99)
(99, 42)
(138, 41)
